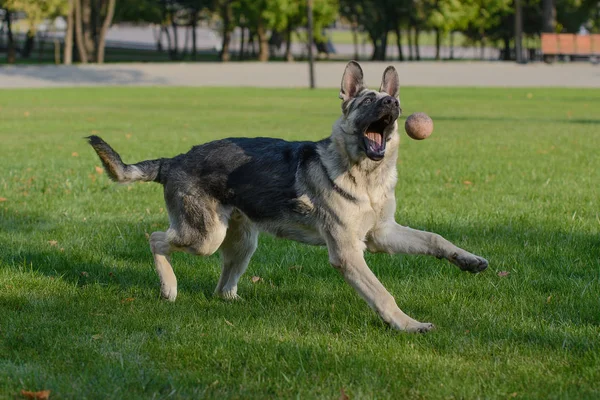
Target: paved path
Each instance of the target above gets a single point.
(328, 74)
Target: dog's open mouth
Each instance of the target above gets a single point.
(374, 138)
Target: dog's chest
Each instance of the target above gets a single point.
(370, 208)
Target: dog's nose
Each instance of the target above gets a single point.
(391, 101)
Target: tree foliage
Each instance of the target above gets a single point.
(272, 22)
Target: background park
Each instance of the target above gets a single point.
(511, 172)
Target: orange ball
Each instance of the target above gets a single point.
(418, 126)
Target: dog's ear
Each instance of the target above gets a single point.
(352, 81)
(390, 83)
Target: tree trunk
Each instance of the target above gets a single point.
(88, 28)
(165, 29)
(418, 54)
(438, 39)
(288, 43)
(452, 45)
(410, 44)
(68, 51)
(251, 43)
(29, 43)
(175, 48)
(242, 43)
(263, 41)
(383, 49)
(194, 24)
(355, 37)
(549, 16)
(110, 12)
(227, 17)
(482, 49)
(506, 40)
(399, 43)
(83, 58)
(11, 56)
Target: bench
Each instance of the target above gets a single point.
(568, 44)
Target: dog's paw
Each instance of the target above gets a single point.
(229, 295)
(404, 323)
(421, 327)
(469, 262)
(168, 293)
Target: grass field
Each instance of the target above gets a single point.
(510, 174)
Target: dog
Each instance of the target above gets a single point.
(338, 192)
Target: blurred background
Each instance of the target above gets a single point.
(97, 31)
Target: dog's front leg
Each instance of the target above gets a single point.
(394, 238)
(347, 257)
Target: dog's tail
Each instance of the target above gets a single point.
(149, 170)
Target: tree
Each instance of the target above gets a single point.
(484, 16)
(92, 20)
(36, 11)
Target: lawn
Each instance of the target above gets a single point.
(509, 174)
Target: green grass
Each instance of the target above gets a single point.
(510, 174)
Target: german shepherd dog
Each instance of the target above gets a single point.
(337, 192)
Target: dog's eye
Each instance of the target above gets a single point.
(367, 102)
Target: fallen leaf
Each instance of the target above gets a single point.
(514, 394)
(298, 267)
(529, 95)
(52, 242)
(127, 300)
(41, 395)
(255, 279)
(95, 132)
(467, 182)
(502, 274)
(62, 249)
(228, 323)
(99, 170)
(3, 199)
(548, 299)
(343, 395)
(74, 154)
(83, 273)
(26, 114)
(128, 135)
(97, 336)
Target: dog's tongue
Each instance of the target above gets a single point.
(376, 139)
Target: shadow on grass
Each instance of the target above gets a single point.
(540, 261)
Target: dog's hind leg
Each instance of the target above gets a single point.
(199, 230)
(161, 250)
(236, 251)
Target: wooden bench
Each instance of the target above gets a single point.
(568, 44)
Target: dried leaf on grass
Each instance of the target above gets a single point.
(343, 395)
(99, 170)
(255, 279)
(502, 274)
(41, 395)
